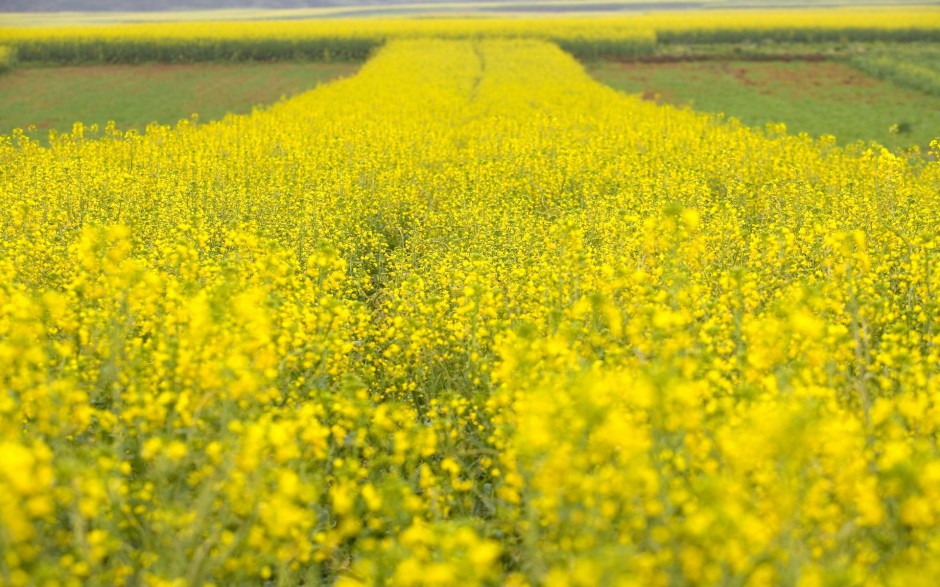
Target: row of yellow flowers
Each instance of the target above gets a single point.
(468, 317)
(586, 37)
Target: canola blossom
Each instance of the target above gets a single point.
(355, 38)
(468, 318)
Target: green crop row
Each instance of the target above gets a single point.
(7, 58)
(127, 50)
(917, 69)
(83, 50)
(583, 48)
(796, 35)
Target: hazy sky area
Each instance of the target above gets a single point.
(147, 5)
(162, 5)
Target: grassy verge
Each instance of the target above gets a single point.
(916, 67)
(813, 97)
(133, 96)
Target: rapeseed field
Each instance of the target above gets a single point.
(353, 39)
(468, 318)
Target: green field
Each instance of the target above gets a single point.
(814, 97)
(53, 98)
(817, 97)
(916, 67)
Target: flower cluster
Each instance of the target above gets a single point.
(468, 317)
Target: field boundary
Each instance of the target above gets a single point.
(356, 39)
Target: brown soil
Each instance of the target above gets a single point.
(822, 74)
(787, 57)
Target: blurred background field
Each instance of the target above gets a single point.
(861, 71)
(857, 71)
(47, 12)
